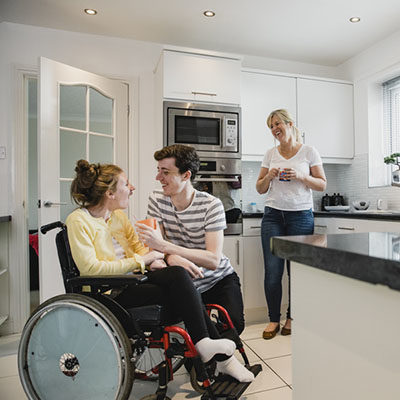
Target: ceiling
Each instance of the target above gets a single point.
(310, 31)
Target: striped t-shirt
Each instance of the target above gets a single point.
(187, 228)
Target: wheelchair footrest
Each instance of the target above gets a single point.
(229, 388)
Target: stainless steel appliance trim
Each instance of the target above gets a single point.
(223, 166)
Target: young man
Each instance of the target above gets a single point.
(192, 224)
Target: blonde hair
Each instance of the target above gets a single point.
(285, 117)
(92, 181)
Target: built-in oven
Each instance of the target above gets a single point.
(213, 130)
(222, 177)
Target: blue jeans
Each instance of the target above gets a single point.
(280, 223)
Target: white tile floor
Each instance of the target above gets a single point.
(273, 383)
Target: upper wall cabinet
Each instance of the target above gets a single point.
(323, 111)
(200, 78)
(261, 94)
(325, 115)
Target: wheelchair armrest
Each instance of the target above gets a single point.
(111, 281)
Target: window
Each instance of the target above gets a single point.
(391, 116)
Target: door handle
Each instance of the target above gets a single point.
(49, 203)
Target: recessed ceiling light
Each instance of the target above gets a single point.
(90, 11)
(355, 19)
(209, 13)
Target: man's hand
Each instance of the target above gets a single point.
(151, 237)
(194, 271)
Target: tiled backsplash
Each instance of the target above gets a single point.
(351, 181)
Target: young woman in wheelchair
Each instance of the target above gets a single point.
(104, 242)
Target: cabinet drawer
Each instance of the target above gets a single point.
(252, 226)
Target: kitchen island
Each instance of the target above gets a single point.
(346, 321)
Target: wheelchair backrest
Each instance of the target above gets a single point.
(68, 267)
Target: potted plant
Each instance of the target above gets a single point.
(395, 160)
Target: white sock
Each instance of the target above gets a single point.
(208, 348)
(232, 367)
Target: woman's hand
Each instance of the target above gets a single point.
(194, 271)
(157, 264)
(294, 174)
(272, 173)
(151, 237)
(152, 256)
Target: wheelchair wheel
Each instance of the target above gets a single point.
(73, 347)
(146, 365)
(198, 385)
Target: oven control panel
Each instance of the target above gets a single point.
(225, 166)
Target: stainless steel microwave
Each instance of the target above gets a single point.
(213, 130)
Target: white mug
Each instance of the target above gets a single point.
(382, 204)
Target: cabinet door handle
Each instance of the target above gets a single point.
(321, 226)
(345, 228)
(204, 93)
(237, 252)
(255, 227)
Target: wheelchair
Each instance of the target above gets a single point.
(84, 345)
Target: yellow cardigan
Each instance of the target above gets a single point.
(92, 248)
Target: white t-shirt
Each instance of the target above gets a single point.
(291, 195)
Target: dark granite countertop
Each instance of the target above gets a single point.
(5, 218)
(370, 257)
(390, 216)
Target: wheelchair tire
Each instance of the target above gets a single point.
(153, 397)
(73, 347)
(146, 365)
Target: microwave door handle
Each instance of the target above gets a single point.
(216, 180)
(223, 133)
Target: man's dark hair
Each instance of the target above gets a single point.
(186, 158)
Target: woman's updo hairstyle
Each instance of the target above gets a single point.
(92, 181)
(285, 117)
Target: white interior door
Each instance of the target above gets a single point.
(81, 115)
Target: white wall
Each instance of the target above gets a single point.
(377, 63)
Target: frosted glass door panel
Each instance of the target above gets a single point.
(101, 111)
(73, 107)
(100, 149)
(72, 149)
(65, 197)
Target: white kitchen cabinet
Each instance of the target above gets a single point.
(254, 273)
(325, 115)
(252, 226)
(324, 226)
(331, 225)
(261, 94)
(200, 78)
(233, 249)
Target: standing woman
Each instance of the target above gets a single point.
(289, 172)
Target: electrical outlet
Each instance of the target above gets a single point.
(2, 152)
